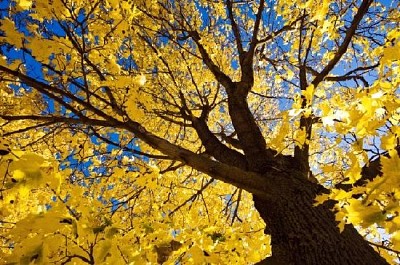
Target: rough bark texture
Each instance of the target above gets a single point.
(305, 234)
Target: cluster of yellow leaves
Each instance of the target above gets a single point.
(124, 214)
(124, 217)
(28, 183)
(375, 205)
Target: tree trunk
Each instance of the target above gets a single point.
(305, 234)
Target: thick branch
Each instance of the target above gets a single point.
(220, 76)
(368, 173)
(235, 28)
(301, 153)
(246, 59)
(248, 132)
(248, 181)
(215, 148)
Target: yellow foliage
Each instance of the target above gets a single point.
(91, 92)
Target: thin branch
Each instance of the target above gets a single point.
(384, 247)
(254, 39)
(193, 197)
(362, 10)
(235, 28)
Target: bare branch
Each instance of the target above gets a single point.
(235, 28)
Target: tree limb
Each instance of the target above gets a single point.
(362, 10)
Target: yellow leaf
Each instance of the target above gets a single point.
(300, 137)
(322, 10)
(340, 218)
(14, 37)
(25, 3)
(309, 93)
(319, 199)
(363, 215)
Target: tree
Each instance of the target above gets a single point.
(149, 131)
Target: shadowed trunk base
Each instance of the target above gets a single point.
(304, 234)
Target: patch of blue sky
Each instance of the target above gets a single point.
(53, 28)
(114, 137)
(4, 5)
(127, 63)
(117, 204)
(204, 14)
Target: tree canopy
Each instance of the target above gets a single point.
(199, 132)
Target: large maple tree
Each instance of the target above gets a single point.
(199, 131)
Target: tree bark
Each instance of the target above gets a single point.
(302, 233)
